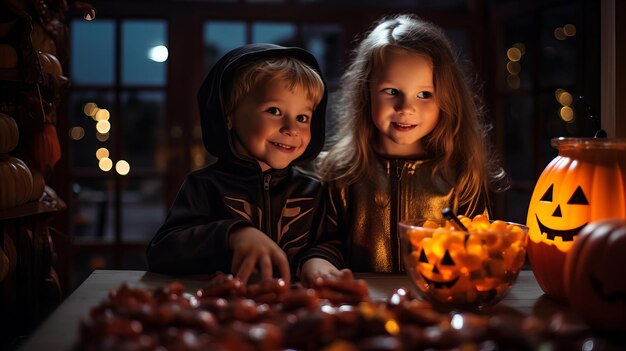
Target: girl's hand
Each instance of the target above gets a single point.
(253, 249)
(315, 268)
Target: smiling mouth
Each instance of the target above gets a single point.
(403, 127)
(612, 297)
(566, 235)
(283, 147)
(439, 285)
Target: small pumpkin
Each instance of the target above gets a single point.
(594, 281)
(16, 186)
(9, 134)
(45, 147)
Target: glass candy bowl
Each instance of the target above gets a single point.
(453, 268)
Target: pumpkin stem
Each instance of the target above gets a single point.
(600, 133)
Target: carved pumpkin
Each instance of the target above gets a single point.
(9, 134)
(584, 183)
(45, 147)
(17, 182)
(594, 285)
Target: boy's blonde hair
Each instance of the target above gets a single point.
(295, 72)
(458, 141)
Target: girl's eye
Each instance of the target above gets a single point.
(302, 118)
(391, 91)
(425, 95)
(274, 110)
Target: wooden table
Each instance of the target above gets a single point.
(60, 330)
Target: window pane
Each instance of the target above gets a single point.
(221, 37)
(93, 212)
(93, 52)
(144, 52)
(559, 46)
(277, 33)
(84, 138)
(519, 44)
(144, 209)
(92, 209)
(325, 43)
(142, 118)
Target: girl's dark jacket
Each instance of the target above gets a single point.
(286, 204)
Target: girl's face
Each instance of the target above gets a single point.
(404, 109)
(272, 123)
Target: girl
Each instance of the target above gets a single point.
(411, 143)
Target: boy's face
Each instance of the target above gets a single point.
(404, 108)
(272, 123)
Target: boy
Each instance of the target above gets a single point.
(262, 112)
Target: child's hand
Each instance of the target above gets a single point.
(253, 249)
(319, 268)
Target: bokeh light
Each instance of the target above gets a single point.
(105, 164)
(102, 153)
(103, 127)
(102, 137)
(90, 109)
(102, 115)
(559, 34)
(513, 81)
(569, 30)
(565, 98)
(77, 133)
(122, 167)
(567, 114)
(513, 67)
(514, 54)
(158, 53)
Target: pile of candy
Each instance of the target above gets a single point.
(336, 315)
(464, 268)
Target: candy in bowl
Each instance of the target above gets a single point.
(456, 268)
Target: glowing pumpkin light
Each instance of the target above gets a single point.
(584, 183)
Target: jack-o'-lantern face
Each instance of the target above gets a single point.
(438, 275)
(560, 216)
(583, 184)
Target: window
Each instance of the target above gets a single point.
(117, 117)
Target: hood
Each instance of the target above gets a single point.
(215, 133)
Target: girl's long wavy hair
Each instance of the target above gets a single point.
(458, 144)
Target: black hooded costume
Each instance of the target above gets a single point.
(286, 204)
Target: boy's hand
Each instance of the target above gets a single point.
(315, 268)
(253, 249)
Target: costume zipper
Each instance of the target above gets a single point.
(267, 209)
(396, 207)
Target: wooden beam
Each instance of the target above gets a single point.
(613, 71)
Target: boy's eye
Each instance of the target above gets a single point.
(391, 91)
(302, 118)
(274, 110)
(424, 95)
